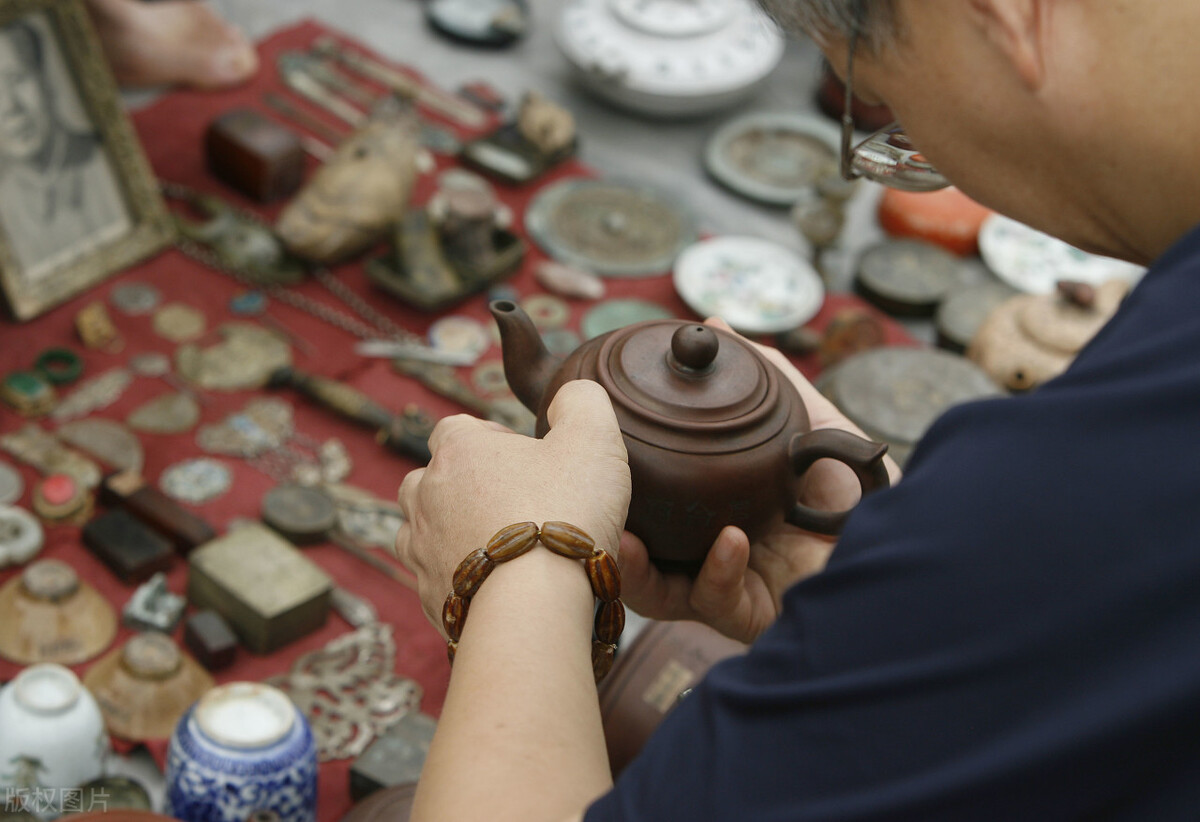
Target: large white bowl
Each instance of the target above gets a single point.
(52, 735)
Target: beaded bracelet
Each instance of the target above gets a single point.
(565, 540)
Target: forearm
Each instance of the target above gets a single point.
(520, 735)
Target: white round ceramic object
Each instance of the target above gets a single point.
(51, 732)
(1034, 262)
(245, 715)
(755, 285)
(11, 484)
(21, 536)
(668, 58)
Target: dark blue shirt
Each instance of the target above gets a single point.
(1011, 633)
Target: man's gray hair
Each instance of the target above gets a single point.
(872, 20)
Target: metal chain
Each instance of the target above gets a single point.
(361, 307)
(377, 326)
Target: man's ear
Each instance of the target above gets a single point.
(1015, 27)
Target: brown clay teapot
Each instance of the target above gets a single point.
(716, 434)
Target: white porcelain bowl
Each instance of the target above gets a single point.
(51, 734)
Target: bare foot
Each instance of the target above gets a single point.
(171, 43)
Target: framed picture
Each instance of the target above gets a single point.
(78, 201)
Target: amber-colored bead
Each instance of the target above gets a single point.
(454, 615)
(602, 659)
(512, 541)
(566, 540)
(610, 622)
(605, 577)
(471, 573)
(452, 648)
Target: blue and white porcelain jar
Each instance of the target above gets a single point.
(243, 747)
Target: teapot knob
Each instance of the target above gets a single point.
(694, 348)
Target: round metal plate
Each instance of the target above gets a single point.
(610, 228)
(135, 299)
(299, 513)
(964, 310)
(897, 393)
(907, 277)
(757, 286)
(614, 314)
(457, 334)
(196, 481)
(179, 323)
(12, 485)
(772, 157)
(1034, 262)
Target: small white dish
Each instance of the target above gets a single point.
(755, 285)
(1034, 263)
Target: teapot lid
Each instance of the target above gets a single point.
(671, 376)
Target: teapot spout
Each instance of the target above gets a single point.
(528, 365)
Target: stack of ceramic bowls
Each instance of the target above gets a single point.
(52, 736)
(242, 748)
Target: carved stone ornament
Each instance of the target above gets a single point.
(350, 692)
(34, 446)
(242, 360)
(352, 201)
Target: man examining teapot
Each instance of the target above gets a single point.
(1007, 633)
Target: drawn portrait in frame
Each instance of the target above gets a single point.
(78, 201)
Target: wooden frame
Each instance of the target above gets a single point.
(78, 200)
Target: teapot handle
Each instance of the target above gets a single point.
(864, 457)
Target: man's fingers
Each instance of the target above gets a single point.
(647, 590)
(407, 495)
(721, 582)
(455, 426)
(582, 407)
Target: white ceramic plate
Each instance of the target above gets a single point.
(757, 286)
(1034, 262)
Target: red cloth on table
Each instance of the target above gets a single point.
(171, 131)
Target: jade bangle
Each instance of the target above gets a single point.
(59, 366)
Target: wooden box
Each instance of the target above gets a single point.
(131, 550)
(268, 592)
(255, 155)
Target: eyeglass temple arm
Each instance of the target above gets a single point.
(847, 157)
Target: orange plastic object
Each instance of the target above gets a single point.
(947, 218)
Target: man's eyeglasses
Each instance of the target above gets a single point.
(887, 156)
